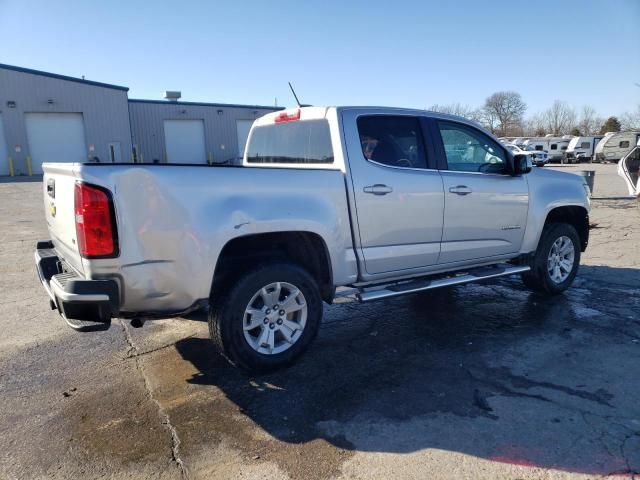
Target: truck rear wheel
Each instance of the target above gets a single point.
(267, 318)
(555, 263)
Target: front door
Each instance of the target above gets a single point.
(629, 169)
(398, 200)
(485, 211)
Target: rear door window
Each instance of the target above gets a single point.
(393, 140)
(296, 142)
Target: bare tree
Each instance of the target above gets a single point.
(504, 111)
(631, 120)
(489, 120)
(589, 122)
(535, 126)
(458, 109)
(560, 118)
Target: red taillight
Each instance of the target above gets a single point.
(288, 116)
(95, 222)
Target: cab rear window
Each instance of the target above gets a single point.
(307, 141)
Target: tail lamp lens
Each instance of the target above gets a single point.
(95, 222)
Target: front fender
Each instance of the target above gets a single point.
(548, 190)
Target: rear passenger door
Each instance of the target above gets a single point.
(485, 212)
(398, 199)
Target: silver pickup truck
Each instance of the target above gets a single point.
(381, 201)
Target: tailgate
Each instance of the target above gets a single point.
(58, 190)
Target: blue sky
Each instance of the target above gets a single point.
(400, 53)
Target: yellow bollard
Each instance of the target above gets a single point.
(29, 169)
(210, 158)
(11, 172)
(142, 158)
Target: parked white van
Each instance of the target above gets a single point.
(519, 141)
(554, 146)
(581, 149)
(614, 147)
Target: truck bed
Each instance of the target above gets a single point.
(173, 220)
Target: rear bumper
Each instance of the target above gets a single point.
(86, 305)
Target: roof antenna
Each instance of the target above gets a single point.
(294, 94)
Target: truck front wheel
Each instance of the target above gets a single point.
(555, 262)
(267, 318)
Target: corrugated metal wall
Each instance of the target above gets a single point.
(221, 138)
(105, 111)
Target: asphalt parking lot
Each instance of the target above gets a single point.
(481, 381)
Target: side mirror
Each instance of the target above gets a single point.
(522, 164)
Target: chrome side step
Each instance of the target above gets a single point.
(469, 276)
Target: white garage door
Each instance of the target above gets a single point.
(4, 151)
(55, 137)
(243, 127)
(184, 141)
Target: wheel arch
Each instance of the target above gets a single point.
(304, 248)
(574, 215)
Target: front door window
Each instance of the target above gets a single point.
(468, 150)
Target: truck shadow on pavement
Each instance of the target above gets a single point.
(488, 370)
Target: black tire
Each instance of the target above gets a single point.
(538, 278)
(227, 309)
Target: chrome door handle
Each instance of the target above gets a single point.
(460, 190)
(377, 189)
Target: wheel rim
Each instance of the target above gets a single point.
(275, 318)
(561, 259)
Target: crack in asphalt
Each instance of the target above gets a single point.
(146, 352)
(609, 419)
(623, 445)
(164, 416)
(520, 382)
(601, 439)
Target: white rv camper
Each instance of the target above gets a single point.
(554, 146)
(581, 149)
(614, 147)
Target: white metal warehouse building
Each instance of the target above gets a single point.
(46, 117)
(190, 132)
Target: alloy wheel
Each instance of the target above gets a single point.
(561, 259)
(275, 318)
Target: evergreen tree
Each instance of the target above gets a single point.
(611, 125)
